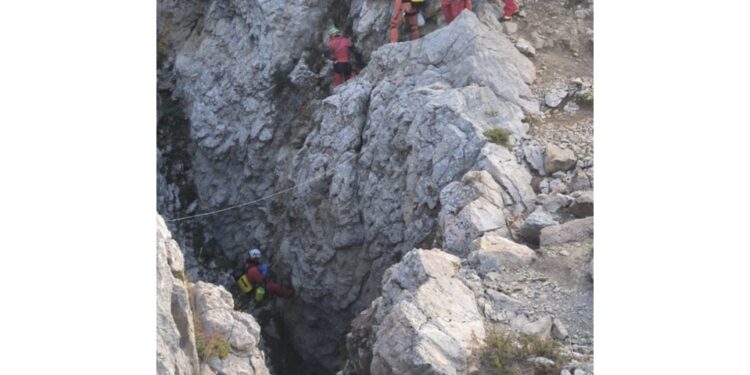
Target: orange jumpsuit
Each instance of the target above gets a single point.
(404, 7)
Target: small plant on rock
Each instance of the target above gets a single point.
(499, 136)
(507, 353)
(211, 345)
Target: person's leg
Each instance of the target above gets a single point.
(398, 17)
(337, 79)
(456, 7)
(348, 72)
(445, 5)
(278, 290)
(413, 25)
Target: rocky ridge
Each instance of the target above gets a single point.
(197, 321)
(394, 159)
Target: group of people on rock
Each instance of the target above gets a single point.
(410, 10)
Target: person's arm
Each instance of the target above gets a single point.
(468, 4)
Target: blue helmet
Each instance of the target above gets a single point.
(254, 253)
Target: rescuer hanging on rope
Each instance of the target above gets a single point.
(255, 279)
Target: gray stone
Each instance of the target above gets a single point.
(510, 27)
(541, 327)
(541, 361)
(571, 231)
(470, 209)
(175, 340)
(534, 154)
(553, 98)
(537, 40)
(493, 252)
(558, 329)
(579, 372)
(565, 372)
(424, 306)
(534, 223)
(558, 159)
(583, 205)
(525, 47)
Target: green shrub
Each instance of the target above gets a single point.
(499, 136)
(180, 275)
(210, 345)
(507, 353)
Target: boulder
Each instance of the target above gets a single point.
(493, 252)
(525, 47)
(572, 231)
(583, 205)
(469, 209)
(534, 223)
(558, 159)
(427, 319)
(553, 98)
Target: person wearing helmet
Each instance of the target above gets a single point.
(257, 274)
(410, 9)
(452, 8)
(340, 48)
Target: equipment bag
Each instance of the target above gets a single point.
(260, 293)
(244, 284)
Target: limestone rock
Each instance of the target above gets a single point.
(369, 160)
(553, 98)
(558, 329)
(493, 252)
(572, 231)
(425, 320)
(534, 154)
(510, 27)
(558, 159)
(541, 327)
(583, 205)
(178, 324)
(525, 47)
(175, 340)
(534, 224)
(469, 209)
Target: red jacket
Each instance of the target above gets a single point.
(256, 278)
(340, 48)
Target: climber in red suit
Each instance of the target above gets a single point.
(509, 10)
(340, 47)
(452, 8)
(256, 277)
(410, 9)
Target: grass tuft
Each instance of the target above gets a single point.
(499, 136)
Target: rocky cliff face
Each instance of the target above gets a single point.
(198, 331)
(436, 309)
(392, 160)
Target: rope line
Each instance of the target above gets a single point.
(321, 175)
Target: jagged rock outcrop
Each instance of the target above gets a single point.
(436, 310)
(193, 318)
(426, 321)
(175, 339)
(374, 156)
